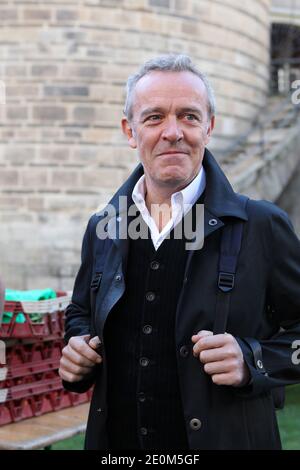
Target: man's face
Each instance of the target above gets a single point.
(170, 127)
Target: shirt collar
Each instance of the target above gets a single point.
(187, 196)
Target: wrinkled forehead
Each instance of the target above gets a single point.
(158, 87)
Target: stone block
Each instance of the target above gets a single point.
(8, 14)
(18, 154)
(84, 113)
(54, 154)
(34, 178)
(36, 204)
(44, 70)
(50, 113)
(63, 179)
(66, 90)
(11, 202)
(9, 178)
(101, 178)
(37, 14)
(136, 4)
(159, 3)
(67, 15)
(16, 71)
(22, 91)
(90, 72)
(16, 112)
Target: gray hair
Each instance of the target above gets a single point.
(173, 63)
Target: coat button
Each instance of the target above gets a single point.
(154, 265)
(147, 329)
(144, 431)
(195, 424)
(212, 222)
(150, 296)
(144, 361)
(260, 364)
(184, 351)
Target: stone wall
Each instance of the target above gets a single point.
(285, 11)
(64, 65)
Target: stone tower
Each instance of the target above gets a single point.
(64, 68)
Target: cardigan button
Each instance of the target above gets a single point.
(144, 431)
(154, 265)
(195, 424)
(147, 329)
(141, 397)
(150, 296)
(144, 362)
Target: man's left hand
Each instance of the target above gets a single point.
(222, 358)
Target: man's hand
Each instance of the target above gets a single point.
(222, 358)
(79, 358)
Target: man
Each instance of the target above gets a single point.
(141, 322)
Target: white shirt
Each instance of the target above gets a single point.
(181, 202)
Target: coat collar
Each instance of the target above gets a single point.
(220, 198)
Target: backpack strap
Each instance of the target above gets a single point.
(230, 247)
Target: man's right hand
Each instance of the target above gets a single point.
(79, 358)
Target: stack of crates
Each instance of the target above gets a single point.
(29, 381)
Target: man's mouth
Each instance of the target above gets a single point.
(172, 152)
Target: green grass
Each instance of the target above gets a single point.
(75, 443)
(288, 419)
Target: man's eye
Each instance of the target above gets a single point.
(153, 118)
(191, 117)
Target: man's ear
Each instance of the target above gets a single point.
(128, 131)
(210, 128)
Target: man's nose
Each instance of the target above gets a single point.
(172, 130)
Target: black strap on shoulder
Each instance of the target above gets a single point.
(231, 240)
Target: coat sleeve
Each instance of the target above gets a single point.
(279, 353)
(78, 312)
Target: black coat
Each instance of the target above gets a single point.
(266, 299)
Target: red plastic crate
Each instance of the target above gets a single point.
(30, 378)
(27, 370)
(27, 389)
(17, 410)
(51, 322)
(29, 381)
(25, 354)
